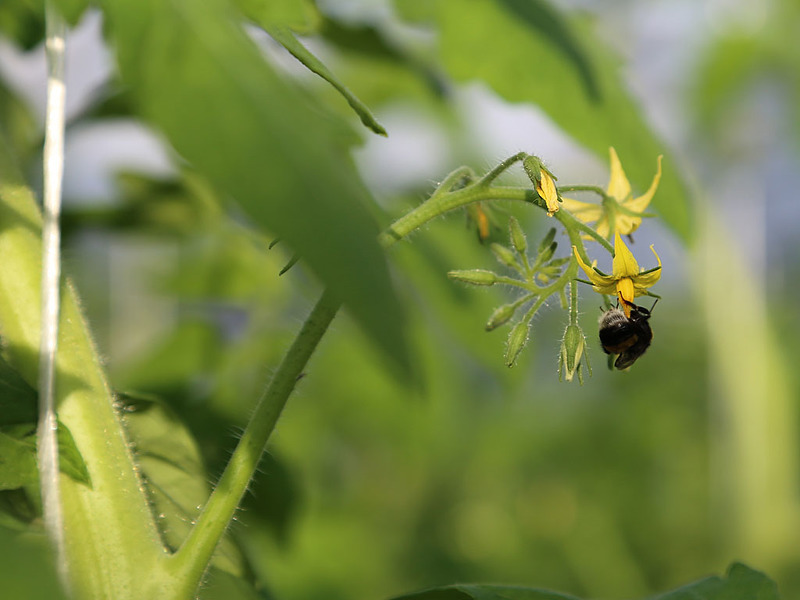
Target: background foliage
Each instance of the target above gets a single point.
(632, 484)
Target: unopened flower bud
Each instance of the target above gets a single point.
(518, 239)
(547, 240)
(571, 353)
(504, 255)
(516, 342)
(500, 316)
(474, 276)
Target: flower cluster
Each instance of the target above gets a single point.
(618, 213)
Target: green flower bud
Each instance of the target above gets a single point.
(548, 252)
(518, 239)
(501, 315)
(474, 276)
(516, 341)
(504, 255)
(571, 353)
(547, 240)
(533, 169)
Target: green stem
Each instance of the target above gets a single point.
(188, 564)
(460, 177)
(574, 228)
(190, 561)
(439, 204)
(487, 179)
(573, 303)
(583, 188)
(110, 537)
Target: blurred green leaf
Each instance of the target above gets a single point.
(260, 140)
(298, 15)
(17, 398)
(726, 69)
(17, 125)
(280, 19)
(174, 475)
(72, 10)
(529, 66)
(181, 207)
(551, 24)
(18, 464)
(287, 39)
(389, 65)
(18, 467)
(272, 498)
(22, 21)
(741, 583)
(485, 592)
(27, 568)
(220, 585)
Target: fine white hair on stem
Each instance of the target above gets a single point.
(51, 276)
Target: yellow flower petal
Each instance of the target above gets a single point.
(646, 280)
(604, 284)
(624, 264)
(585, 211)
(642, 202)
(618, 186)
(546, 188)
(626, 225)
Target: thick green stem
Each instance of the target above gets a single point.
(190, 561)
(110, 538)
(439, 204)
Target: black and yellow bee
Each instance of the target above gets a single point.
(627, 337)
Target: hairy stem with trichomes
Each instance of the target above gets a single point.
(190, 561)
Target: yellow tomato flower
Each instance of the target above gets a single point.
(620, 205)
(627, 280)
(546, 188)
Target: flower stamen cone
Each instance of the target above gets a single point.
(627, 280)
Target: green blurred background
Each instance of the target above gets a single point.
(631, 484)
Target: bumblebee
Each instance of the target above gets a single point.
(628, 337)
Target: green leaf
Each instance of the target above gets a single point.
(279, 19)
(18, 125)
(27, 568)
(18, 415)
(72, 10)
(17, 398)
(220, 585)
(272, 498)
(382, 63)
(741, 583)
(18, 467)
(17, 461)
(485, 592)
(197, 76)
(298, 15)
(529, 66)
(287, 39)
(69, 457)
(174, 475)
(22, 21)
(552, 25)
